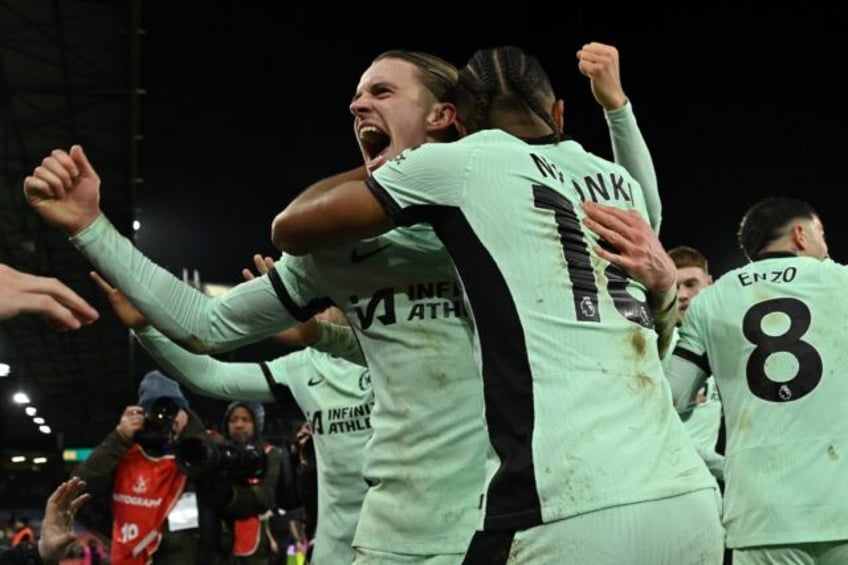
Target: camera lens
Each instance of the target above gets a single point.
(202, 456)
(161, 415)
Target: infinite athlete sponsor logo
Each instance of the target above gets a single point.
(428, 300)
(364, 381)
(315, 380)
(341, 420)
(357, 256)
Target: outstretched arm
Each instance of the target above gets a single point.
(600, 63)
(301, 335)
(203, 374)
(64, 190)
(24, 293)
(328, 331)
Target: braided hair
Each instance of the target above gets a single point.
(504, 80)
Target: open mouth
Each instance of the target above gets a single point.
(374, 143)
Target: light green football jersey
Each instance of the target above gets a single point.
(578, 411)
(771, 332)
(335, 396)
(425, 461)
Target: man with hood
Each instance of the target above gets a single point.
(249, 498)
(152, 502)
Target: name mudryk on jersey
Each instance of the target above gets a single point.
(600, 187)
(427, 300)
(341, 420)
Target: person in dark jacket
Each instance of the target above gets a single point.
(249, 478)
(154, 513)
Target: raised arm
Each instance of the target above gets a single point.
(600, 63)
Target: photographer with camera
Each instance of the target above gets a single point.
(154, 513)
(236, 475)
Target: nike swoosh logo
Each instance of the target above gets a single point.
(313, 381)
(357, 257)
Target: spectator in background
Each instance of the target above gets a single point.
(307, 483)
(135, 466)
(22, 531)
(249, 497)
(93, 553)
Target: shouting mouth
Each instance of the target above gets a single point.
(374, 143)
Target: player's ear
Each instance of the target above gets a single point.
(799, 236)
(558, 113)
(442, 117)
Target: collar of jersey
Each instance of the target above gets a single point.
(774, 255)
(545, 139)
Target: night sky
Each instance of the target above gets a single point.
(246, 105)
